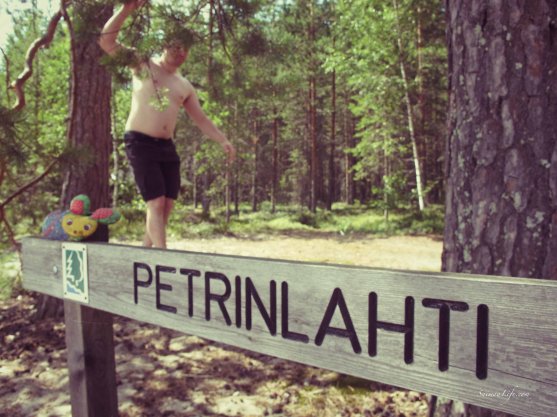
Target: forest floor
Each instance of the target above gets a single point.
(164, 373)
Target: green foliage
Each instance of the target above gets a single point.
(343, 220)
(10, 135)
(176, 28)
(253, 43)
(261, 55)
(36, 135)
(430, 221)
(10, 274)
(367, 57)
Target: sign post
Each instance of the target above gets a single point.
(89, 335)
(485, 340)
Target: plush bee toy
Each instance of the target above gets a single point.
(78, 222)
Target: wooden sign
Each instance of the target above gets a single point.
(490, 341)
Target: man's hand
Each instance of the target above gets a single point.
(230, 150)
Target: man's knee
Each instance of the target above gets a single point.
(168, 204)
(157, 205)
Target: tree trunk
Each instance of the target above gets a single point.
(348, 158)
(206, 182)
(210, 54)
(37, 76)
(274, 185)
(501, 161)
(115, 154)
(386, 174)
(205, 198)
(89, 125)
(312, 112)
(332, 174)
(236, 166)
(425, 148)
(195, 177)
(411, 130)
(237, 188)
(227, 192)
(255, 140)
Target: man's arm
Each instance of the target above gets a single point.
(193, 109)
(109, 34)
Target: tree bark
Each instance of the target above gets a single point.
(254, 141)
(115, 154)
(37, 78)
(332, 174)
(274, 185)
(237, 188)
(195, 177)
(501, 157)
(205, 198)
(312, 111)
(348, 157)
(236, 167)
(227, 192)
(410, 116)
(88, 127)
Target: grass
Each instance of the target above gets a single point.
(9, 274)
(342, 220)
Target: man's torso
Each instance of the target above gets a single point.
(156, 100)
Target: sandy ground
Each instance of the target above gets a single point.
(418, 253)
(163, 373)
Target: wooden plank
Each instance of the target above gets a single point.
(484, 340)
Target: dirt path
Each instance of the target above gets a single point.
(163, 373)
(399, 252)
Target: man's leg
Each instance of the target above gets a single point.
(168, 205)
(147, 242)
(155, 224)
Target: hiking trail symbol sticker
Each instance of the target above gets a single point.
(76, 281)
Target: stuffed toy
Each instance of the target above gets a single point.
(78, 222)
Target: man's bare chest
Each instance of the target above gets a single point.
(160, 89)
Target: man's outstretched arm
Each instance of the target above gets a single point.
(109, 34)
(193, 109)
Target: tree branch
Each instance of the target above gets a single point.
(73, 84)
(7, 74)
(30, 184)
(17, 85)
(2, 170)
(9, 230)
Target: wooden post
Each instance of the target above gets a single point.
(91, 363)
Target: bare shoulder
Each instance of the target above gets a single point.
(188, 87)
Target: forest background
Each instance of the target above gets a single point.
(337, 109)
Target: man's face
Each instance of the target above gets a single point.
(175, 54)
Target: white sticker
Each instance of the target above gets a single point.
(76, 281)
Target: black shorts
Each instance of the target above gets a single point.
(155, 164)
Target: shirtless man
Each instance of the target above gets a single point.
(158, 93)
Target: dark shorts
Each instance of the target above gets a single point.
(155, 164)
